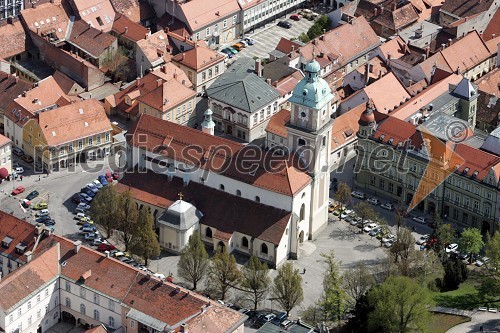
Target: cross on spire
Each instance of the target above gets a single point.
(180, 195)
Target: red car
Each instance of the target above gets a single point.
(116, 174)
(105, 247)
(18, 190)
(295, 17)
(109, 178)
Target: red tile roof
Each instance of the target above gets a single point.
(387, 93)
(126, 28)
(393, 48)
(346, 126)
(493, 28)
(286, 46)
(47, 18)
(97, 13)
(135, 10)
(10, 88)
(4, 140)
(490, 83)
(93, 41)
(27, 279)
(228, 162)
(397, 19)
(477, 160)
(277, 123)
(199, 58)
(287, 84)
(13, 38)
(221, 210)
(399, 131)
(200, 13)
(465, 8)
(167, 96)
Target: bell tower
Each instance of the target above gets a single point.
(309, 137)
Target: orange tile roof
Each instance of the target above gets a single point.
(4, 140)
(386, 93)
(67, 85)
(199, 58)
(136, 10)
(47, 18)
(99, 13)
(155, 46)
(492, 45)
(10, 88)
(490, 83)
(286, 46)
(74, 121)
(200, 13)
(45, 94)
(170, 71)
(126, 28)
(27, 279)
(228, 162)
(93, 41)
(493, 27)
(342, 43)
(215, 319)
(397, 19)
(425, 97)
(466, 8)
(168, 95)
(346, 126)
(393, 47)
(13, 39)
(288, 83)
(477, 160)
(399, 131)
(276, 124)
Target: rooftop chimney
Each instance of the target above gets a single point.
(394, 6)
(381, 9)
(126, 30)
(375, 11)
(424, 56)
(258, 67)
(78, 245)
(443, 46)
(29, 256)
(108, 255)
(427, 52)
(184, 328)
(268, 81)
(450, 41)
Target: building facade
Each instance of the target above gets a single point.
(5, 154)
(257, 13)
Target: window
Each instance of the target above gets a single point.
(197, 36)
(98, 139)
(82, 292)
(38, 298)
(111, 305)
(391, 187)
(29, 305)
(210, 73)
(132, 323)
(111, 322)
(96, 298)
(39, 314)
(29, 320)
(235, 17)
(257, 198)
(46, 292)
(68, 286)
(301, 142)
(107, 137)
(302, 212)
(455, 214)
(238, 193)
(11, 318)
(80, 145)
(221, 187)
(244, 242)
(216, 69)
(203, 76)
(263, 248)
(207, 32)
(68, 302)
(208, 233)
(476, 205)
(91, 141)
(82, 309)
(96, 315)
(381, 183)
(19, 311)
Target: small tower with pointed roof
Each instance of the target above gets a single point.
(367, 123)
(468, 94)
(208, 125)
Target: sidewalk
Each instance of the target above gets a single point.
(489, 321)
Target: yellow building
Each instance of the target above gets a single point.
(74, 133)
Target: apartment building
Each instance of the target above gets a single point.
(10, 8)
(5, 157)
(257, 13)
(69, 134)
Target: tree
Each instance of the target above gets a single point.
(287, 288)
(127, 216)
(343, 195)
(455, 272)
(145, 242)
(117, 64)
(333, 300)
(403, 251)
(303, 37)
(224, 272)
(256, 280)
(322, 24)
(471, 242)
(104, 208)
(493, 252)
(193, 263)
(357, 280)
(399, 305)
(444, 234)
(427, 268)
(365, 211)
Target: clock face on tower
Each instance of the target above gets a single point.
(304, 114)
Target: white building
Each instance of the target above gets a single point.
(5, 157)
(257, 13)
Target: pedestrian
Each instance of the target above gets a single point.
(304, 272)
(481, 328)
(21, 177)
(39, 177)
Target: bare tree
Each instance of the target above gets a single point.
(357, 280)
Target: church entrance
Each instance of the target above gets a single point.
(221, 246)
(301, 237)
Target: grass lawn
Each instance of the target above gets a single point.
(440, 323)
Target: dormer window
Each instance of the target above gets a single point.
(20, 248)
(6, 242)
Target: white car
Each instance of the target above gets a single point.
(359, 195)
(452, 248)
(370, 227)
(85, 197)
(388, 244)
(423, 239)
(159, 276)
(387, 206)
(83, 205)
(420, 219)
(97, 184)
(374, 201)
(345, 213)
(43, 212)
(19, 169)
(482, 261)
(389, 238)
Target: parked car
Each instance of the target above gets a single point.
(27, 158)
(249, 40)
(374, 232)
(388, 244)
(43, 212)
(359, 195)
(284, 24)
(32, 195)
(280, 317)
(389, 238)
(18, 190)
(90, 235)
(17, 151)
(102, 180)
(230, 49)
(105, 247)
(88, 192)
(80, 209)
(370, 227)
(92, 189)
(97, 184)
(238, 46)
(76, 198)
(109, 177)
(49, 222)
(89, 228)
(420, 219)
(98, 241)
(83, 205)
(463, 256)
(116, 174)
(80, 216)
(41, 205)
(451, 248)
(43, 219)
(355, 221)
(295, 17)
(227, 52)
(25, 203)
(481, 261)
(387, 206)
(374, 201)
(85, 197)
(423, 239)
(345, 213)
(18, 170)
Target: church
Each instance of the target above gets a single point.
(240, 197)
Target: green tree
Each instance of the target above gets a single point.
(287, 288)
(399, 305)
(127, 216)
(455, 272)
(403, 251)
(427, 268)
(224, 272)
(357, 280)
(193, 263)
(322, 24)
(493, 252)
(471, 242)
(145, 242)
(303, 37)
(366, 212)
(333, 299)
(256, 280)
(444, 234)
(103, 209)
(343, 195)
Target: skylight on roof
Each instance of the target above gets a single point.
(59, 29)
(53, 18)
(48, 21)
(53, 133)
(83, 13)
(80, 110)
(36, 24)
(86, 124)
(42, 23)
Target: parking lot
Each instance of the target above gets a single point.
(267, 37)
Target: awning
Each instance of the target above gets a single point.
(146, 320)
(4, 173)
